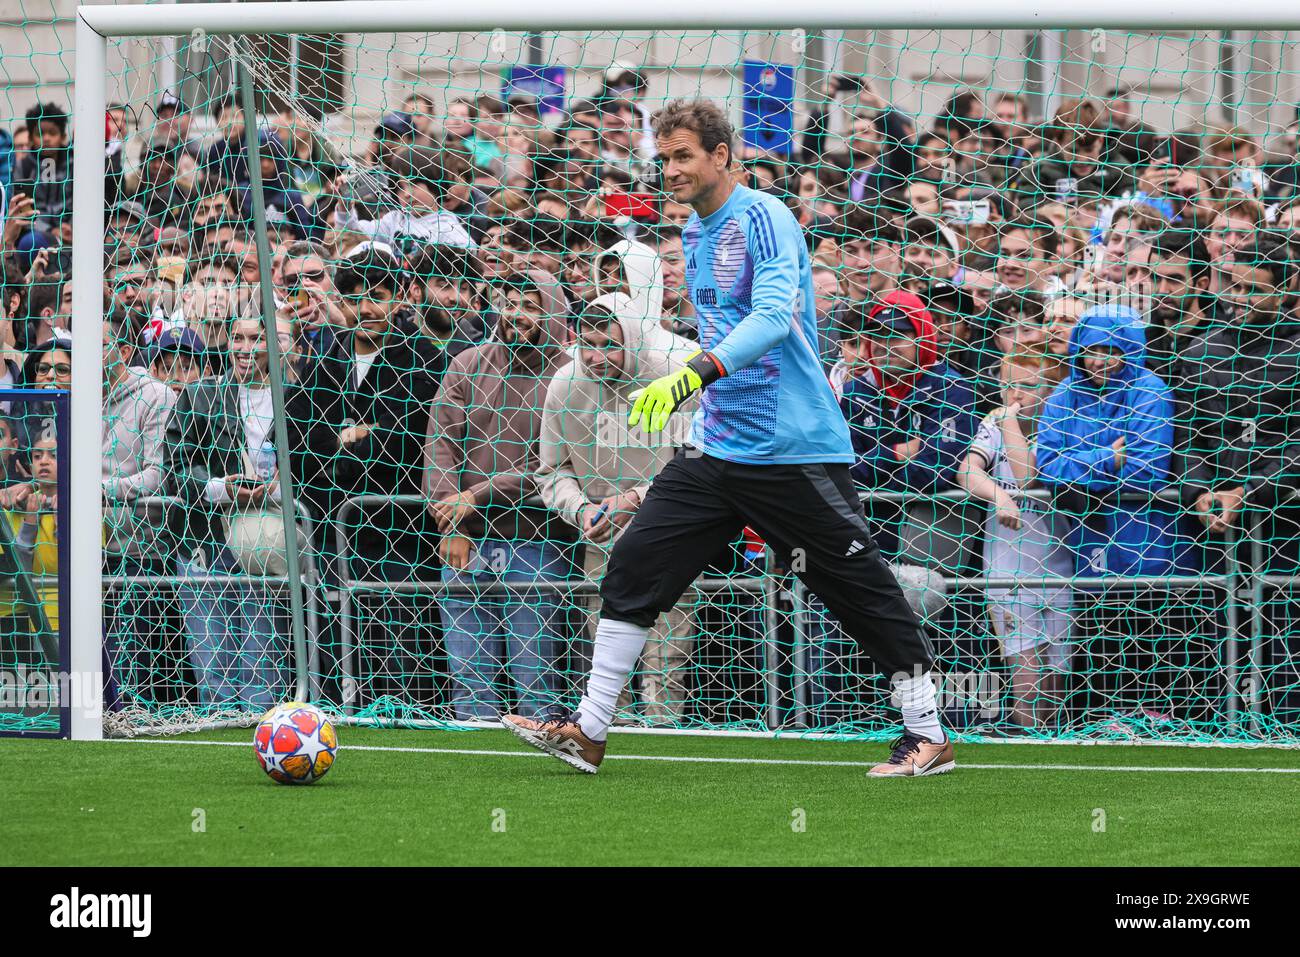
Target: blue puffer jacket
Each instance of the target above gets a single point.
(1081, 421)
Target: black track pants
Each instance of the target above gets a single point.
(809, 514)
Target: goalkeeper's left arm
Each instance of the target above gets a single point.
(770, 319)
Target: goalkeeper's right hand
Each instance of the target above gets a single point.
(652, 405)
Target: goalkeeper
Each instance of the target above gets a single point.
(769, 448)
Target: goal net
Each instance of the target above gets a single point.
(1055, 295)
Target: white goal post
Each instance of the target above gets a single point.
(95, 25)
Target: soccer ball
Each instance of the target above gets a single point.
(295, 743)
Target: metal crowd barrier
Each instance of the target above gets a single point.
(768, 585)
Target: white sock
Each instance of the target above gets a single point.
(617, 647)
(915, 698)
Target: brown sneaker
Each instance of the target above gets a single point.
(559, 736)
(916, 757)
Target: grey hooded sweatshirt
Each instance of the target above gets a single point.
(587, 450)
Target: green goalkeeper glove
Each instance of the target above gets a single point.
(652, 405)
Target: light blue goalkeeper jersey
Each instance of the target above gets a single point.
(750, 278)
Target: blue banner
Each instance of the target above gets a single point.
(544, 82)
(768, 102)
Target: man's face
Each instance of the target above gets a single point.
(1249, 294)
(690, 172)
(577, 273)
(864, 140)
(177, 368)
(1019, 265)
(22, 141)
(453, 296)
(131, 293)
(951, 328)
(674, 265)
(1010, 114)
(923, 197)
(54, 370)
(495, 258)
(544, 259)
(375, 308)
(616, 127)
(895, 356)
(870, 266)
(602, 352)
(610, 276)
(173, 241)
(928, 258)
(417, 195)
(306, 271)
(65, 301)
(1101, 363)
(676, 213)
(933, 161)
(246, 253)
(457, 122)
(211, 208)
(522, 319)
(7, 442)
(1174, 291)
(116, 358)
(1227, 235)
(247, 347)
(421, 113)
(826, 291)
(124, 232)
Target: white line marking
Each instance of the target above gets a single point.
(482, 752)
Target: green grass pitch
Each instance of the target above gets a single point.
(140, 803)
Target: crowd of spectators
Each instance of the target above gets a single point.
(1077, 304)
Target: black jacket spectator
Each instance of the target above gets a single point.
(393, 398)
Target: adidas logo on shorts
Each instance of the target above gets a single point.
(856, 547)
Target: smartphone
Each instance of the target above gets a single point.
(968, 212)
(642, 207)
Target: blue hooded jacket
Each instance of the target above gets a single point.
(1080, 421)
(1079, 424)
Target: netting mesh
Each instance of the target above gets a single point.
(1055, 301)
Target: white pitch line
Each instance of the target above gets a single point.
(482, 752)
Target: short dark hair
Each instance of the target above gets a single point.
(545, 233)
(1185, 244)
(370, 269)
(221, 104)
(425, 165)
(46, 113)
(1273, 252)
(702, 117)
(864, 224)
(1029, 305)
(1042, 233)
(439, 260)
